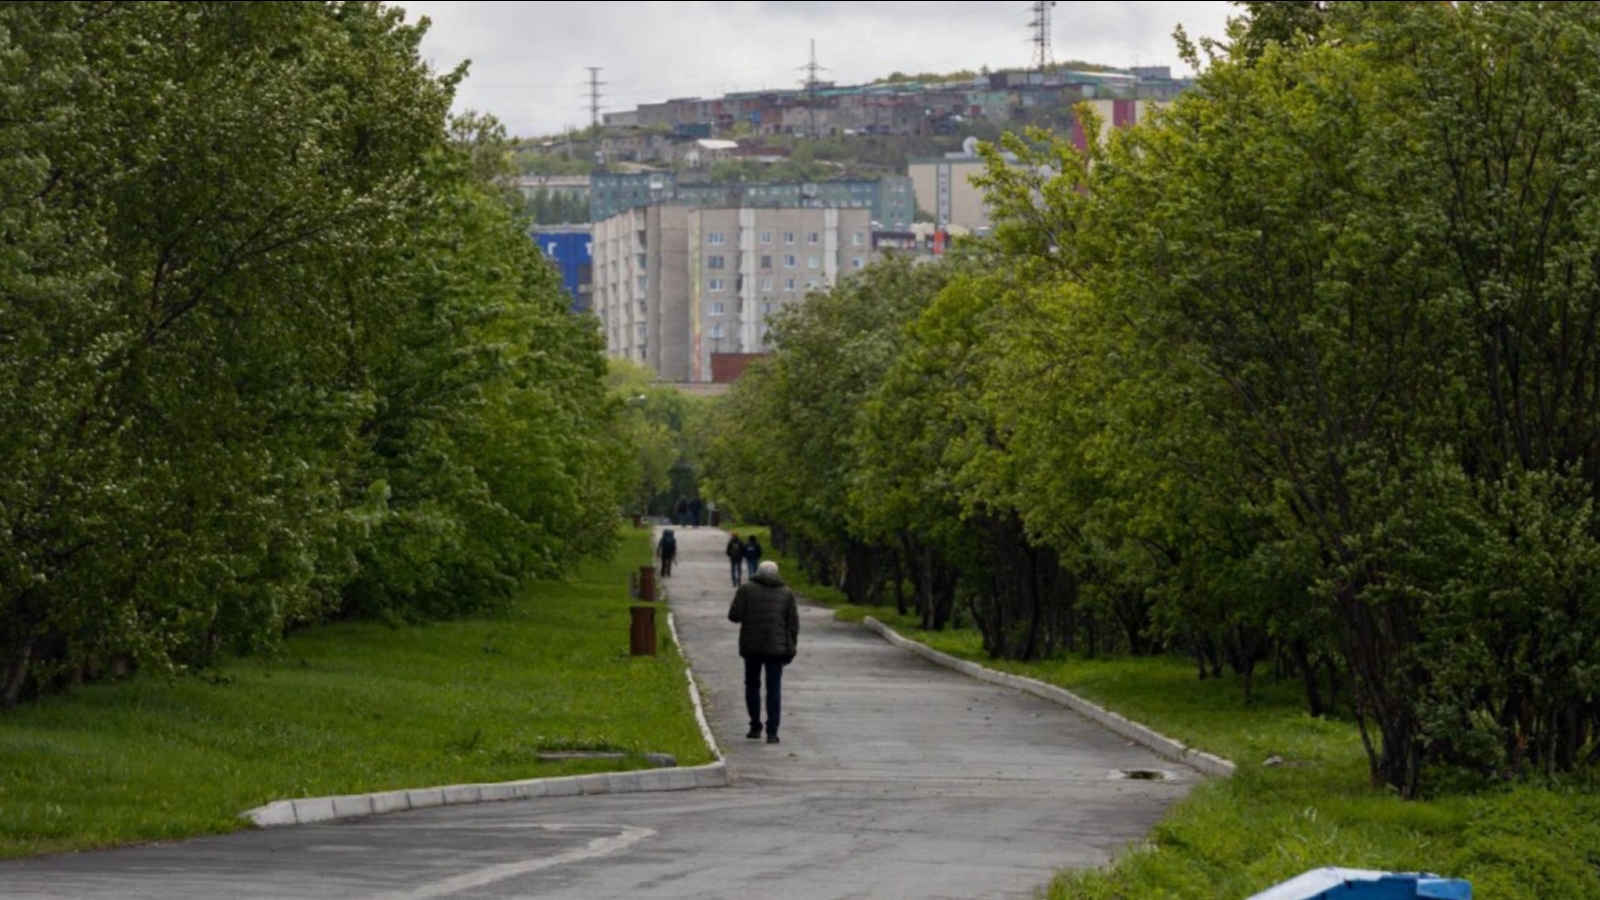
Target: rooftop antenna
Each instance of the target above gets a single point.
(1043, 59)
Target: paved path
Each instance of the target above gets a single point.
(895, 779)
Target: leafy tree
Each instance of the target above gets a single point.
(274, 347)
(1390, 340)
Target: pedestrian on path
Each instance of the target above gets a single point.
(667, 550)
(752, 554)
(769, 634)
(696, 510)
(736, 558)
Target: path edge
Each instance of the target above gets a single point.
(1149, 738)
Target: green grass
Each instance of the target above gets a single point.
(349, 709)
(1234, 838)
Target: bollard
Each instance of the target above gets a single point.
(642, 636)
(647, 584)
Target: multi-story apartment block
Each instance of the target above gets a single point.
(676, 287)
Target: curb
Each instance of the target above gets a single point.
(694, 693)
(1161, 745)
(311, 811)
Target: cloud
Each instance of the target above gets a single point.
(530, 60)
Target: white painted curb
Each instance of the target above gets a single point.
(1163, 746)
(331, 809)
(694, 692)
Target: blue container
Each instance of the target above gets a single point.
(1350, 884)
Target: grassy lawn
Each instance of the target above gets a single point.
(1234, 838)
(349, 709)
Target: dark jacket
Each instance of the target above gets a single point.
(768, 617)
(735, 548)
(752, 550)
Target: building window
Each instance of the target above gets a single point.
(767, 308)
(813, 238)
(813, 263)
(717, 333)
(716, 239)
(643, 331)
(857, 239)
(766, 237)
(788, 237)
(716, 262)
(766, 262)
(790, 261)
(644, 283)
(717, 286)
(766, 285)
(717, 309)
(791, 284)
(858, 263)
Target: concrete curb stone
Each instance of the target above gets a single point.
(1167, 748)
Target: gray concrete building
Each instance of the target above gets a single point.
(676, 286)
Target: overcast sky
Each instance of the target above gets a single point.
(530, 60)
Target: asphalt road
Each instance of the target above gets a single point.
(895, 779)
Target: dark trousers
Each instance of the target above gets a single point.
(753, 666)
(666, 565)
(738, 569)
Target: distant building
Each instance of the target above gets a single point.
(686, 290)
(944, 187)
(615, 193)
(572, 251)
(907, 108)
(890, 200)
(945, 191)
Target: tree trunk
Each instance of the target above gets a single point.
(1301, 651)
(17, 676)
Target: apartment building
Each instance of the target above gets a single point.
(677, 287)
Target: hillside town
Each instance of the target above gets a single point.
(703, 217)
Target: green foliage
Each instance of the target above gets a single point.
(666, 431)
(1298, 377)
(349, 708)
(547, 207)
(272, 346)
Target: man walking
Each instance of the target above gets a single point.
(769, 633)
(735, 550)
(667, 551)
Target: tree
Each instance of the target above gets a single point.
(1377, 323)
(274, 347)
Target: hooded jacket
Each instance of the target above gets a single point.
(768, 617)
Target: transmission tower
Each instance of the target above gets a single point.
(813, 85)
(1043, 59)
(595, 84)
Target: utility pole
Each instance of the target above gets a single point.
(1043, 59)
